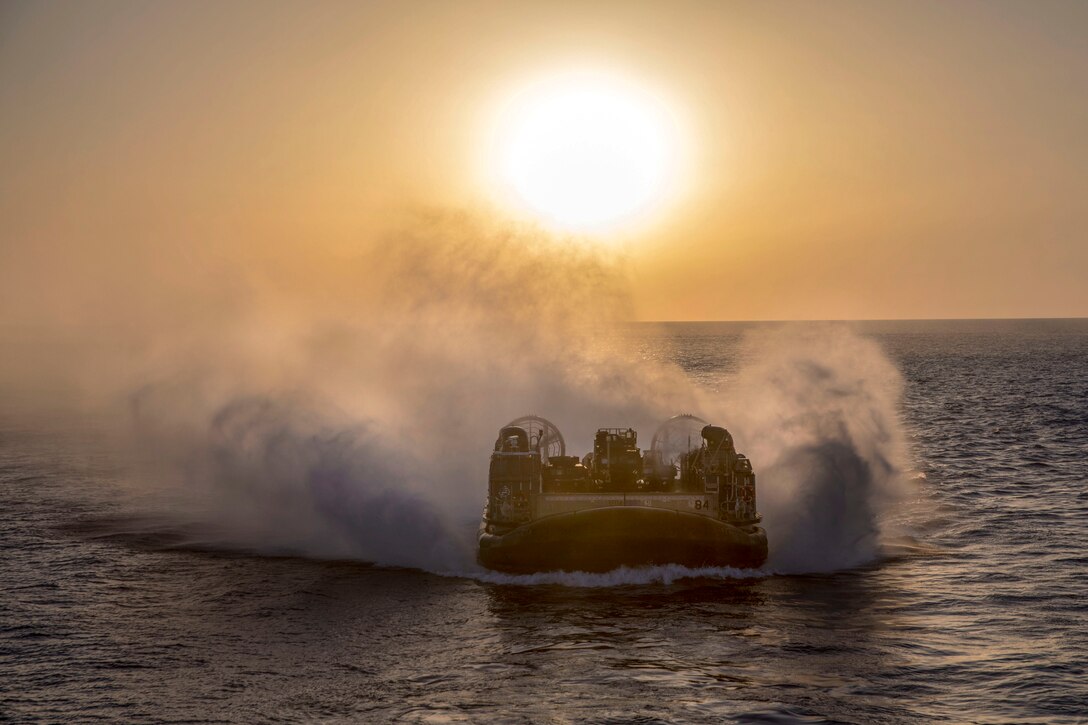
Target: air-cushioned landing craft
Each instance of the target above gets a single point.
(689, 500)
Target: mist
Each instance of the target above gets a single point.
(344, 405)
(357, 422)
(817, 409)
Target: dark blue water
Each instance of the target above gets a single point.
(980, 615)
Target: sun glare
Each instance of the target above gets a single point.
(586, 153)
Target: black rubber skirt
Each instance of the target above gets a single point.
(603, 539)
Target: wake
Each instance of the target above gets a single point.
(666, 574)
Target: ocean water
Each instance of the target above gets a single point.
(979, 613)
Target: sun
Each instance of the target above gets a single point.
(586, 152)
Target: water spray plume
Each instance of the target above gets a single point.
(817, 407)
(355, 420)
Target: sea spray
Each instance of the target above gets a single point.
(817, 409)
(364, 432)
(358, 423)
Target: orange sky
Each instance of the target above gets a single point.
(848, 160)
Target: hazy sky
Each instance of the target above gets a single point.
(847, 160)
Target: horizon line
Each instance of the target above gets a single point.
(886, 319)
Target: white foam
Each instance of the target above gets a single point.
(666, 575)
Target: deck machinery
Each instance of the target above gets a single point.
(689, 500)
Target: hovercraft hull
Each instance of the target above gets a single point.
(602, 539)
